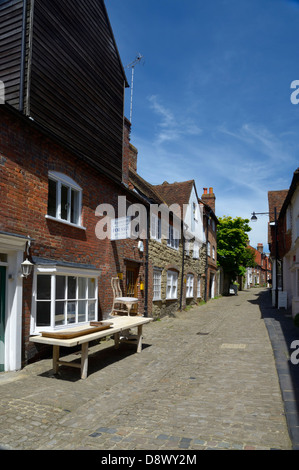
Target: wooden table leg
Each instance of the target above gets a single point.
(84, 360)
(116, 340)
(55, 359)
(139, 339)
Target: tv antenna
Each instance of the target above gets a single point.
(132, 66)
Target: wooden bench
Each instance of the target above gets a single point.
(83, 335)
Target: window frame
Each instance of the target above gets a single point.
(156, 231)
(157, 275)
(190, 286)
(53, 272)
(289, 218)
(172, 282)
(195, 250)
(63, 181)
(173, 240)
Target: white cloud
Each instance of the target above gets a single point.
(171, 128)
(262, 140)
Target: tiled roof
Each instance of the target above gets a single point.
(175, 193)
(276, 200)
(145, 188)
(293, 187)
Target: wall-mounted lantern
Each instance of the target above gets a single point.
(27, 266)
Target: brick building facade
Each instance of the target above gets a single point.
(275, 201)
(288, 244)
(61, 159)
(212, 274)
(261, 274)
(65, 156)
(56, 245)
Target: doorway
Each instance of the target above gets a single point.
(2, 315)
(132, 284)
(212, 286)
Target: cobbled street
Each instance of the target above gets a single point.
(206, 379)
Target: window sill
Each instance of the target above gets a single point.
(172, 298)
(65, 222)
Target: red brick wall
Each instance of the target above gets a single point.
(284, 237)
(212, 263)
(26, 156)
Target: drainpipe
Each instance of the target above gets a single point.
(276, 258)
(23, 57)
(183, 267)
(146, 265)
(206, 268)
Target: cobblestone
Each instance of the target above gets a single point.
(205, 380)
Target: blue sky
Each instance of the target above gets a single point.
(212, 95)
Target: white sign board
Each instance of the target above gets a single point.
(120, 228)
(282, 300)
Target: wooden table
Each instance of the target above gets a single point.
(117, 326)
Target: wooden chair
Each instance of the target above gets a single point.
(119, 300)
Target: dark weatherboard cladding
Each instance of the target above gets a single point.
(62, 69)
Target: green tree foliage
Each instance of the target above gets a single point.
(233, 253)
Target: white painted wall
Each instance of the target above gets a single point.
(195, 228)
(14, 247)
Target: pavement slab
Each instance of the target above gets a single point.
(207, 379)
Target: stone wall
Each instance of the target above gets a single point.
(165, 258)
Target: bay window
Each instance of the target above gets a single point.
(61, 300)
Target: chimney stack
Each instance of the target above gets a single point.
(209, 198)
(260, 247)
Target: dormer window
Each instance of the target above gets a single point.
(64, 199)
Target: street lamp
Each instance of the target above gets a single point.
(254, 219)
